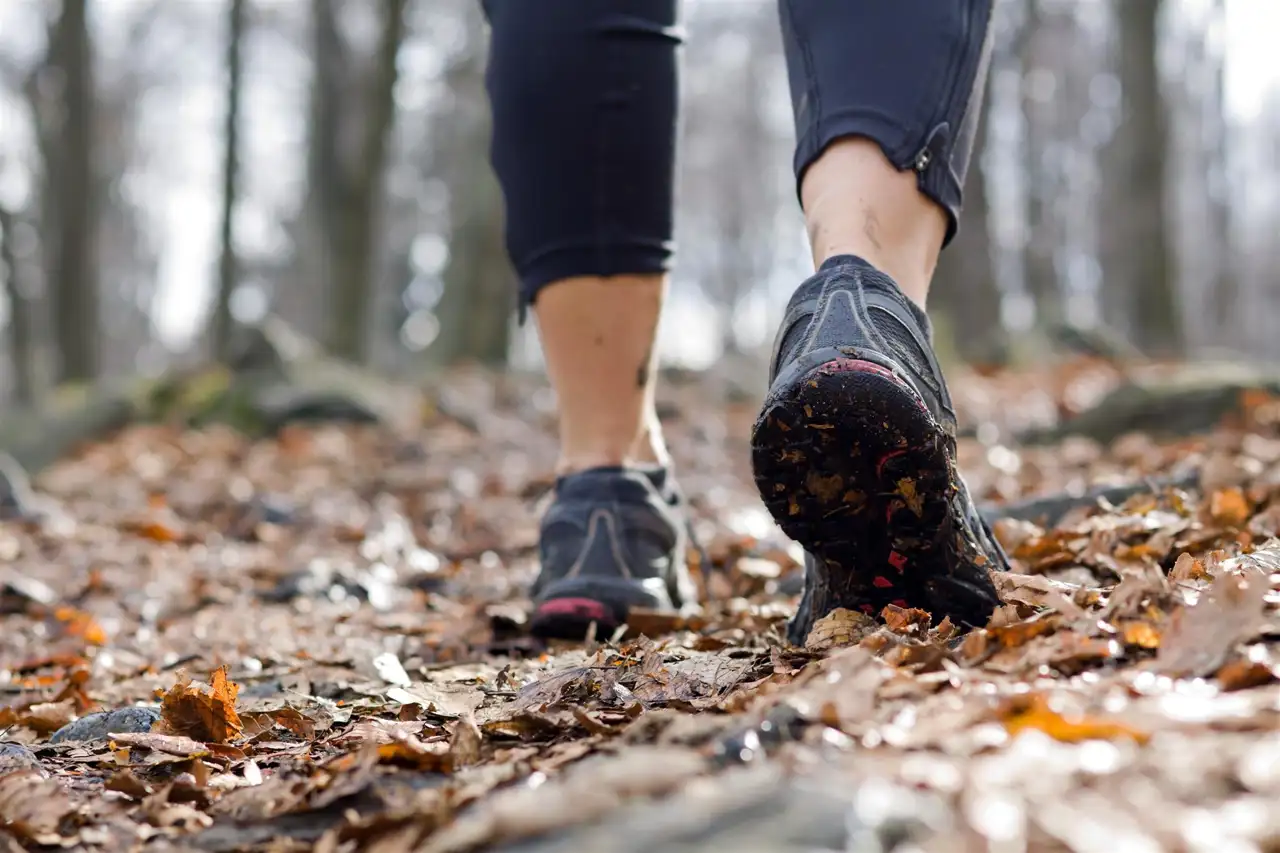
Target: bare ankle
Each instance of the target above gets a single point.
(857, 203)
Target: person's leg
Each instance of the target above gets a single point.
(854, 450)
(584, 98)
(584, 101)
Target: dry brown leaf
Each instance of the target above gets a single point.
(169, 744)
(209, 717)
(1012, 636)
(654, 623)
(1243, 674)
(408, 750)
(32, 807)
(128, 784)
(47, 717)
(911, 621)
(1200, 637)
(1188, 568)
(1036, 712)
(840, 627)
(465, 742)
(1040, 591)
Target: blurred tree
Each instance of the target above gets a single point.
(1039, 44)
(1226, 289)
(1138, 269)
(353, 203)
(965, 292)
(63, 93)
(474, 312)
(736, 175)
(227, 263)
(21, 342)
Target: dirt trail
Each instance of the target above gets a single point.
(319, 640)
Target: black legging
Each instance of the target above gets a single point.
(584, 97)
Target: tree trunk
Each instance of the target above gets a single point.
(21, 348)
(965, 292)
(1138, 267)
(228, 267)
(1038, 254)
(353, 238)
(74, 274)
(474, 312)
(1226, 286)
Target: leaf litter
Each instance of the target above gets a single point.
(188, 666)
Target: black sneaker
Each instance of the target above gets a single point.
(855, 456)
(614, 538)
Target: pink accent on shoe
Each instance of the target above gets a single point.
(892, 454)
(857, 365)
(579, 608)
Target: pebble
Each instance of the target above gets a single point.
(102, 724)
(15, 756)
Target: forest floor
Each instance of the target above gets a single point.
(316, 642)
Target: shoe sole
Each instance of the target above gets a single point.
(852, 465)
(571, 618)
(566, 610)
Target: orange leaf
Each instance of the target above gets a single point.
(1229, 507)
(1018, 633)
(1243, 674)
(208, 717)
(80, 624)
(1141, 634)
(1035, 712)
(902, 621)
(156, 530)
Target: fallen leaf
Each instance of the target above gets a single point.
(446, 699)
(47, 717)
(1018, 633)
(465, 741)
(654, 623)
(408, 750)
(840, 627)
(1200, 637)
(1243, 674)
(906, 620)
(156, 529)
(391, 670)
(128, 784)
(1229, 507)
(210, 717)
(169, 744)
(1144, 635)
(32, 807)
(1188, 568)
(1040, 591)
(1036, 712)
(80, 624)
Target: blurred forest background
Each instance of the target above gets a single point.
(169, 167)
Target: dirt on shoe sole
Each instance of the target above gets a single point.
(852, 465)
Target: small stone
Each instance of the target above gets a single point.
(15, 756)
(273, 509)
(104, 723)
